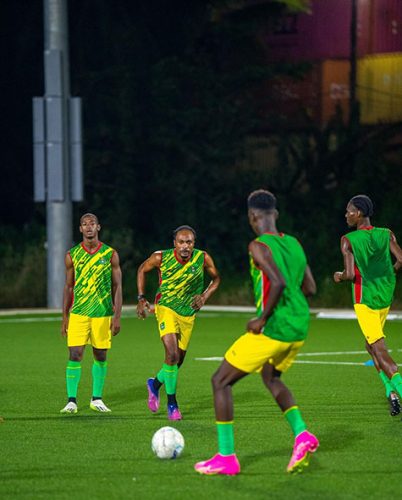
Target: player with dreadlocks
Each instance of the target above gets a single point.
(368, 265)
(181, 294)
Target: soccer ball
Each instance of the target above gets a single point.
(167, 442)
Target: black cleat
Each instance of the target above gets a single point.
(394, 405)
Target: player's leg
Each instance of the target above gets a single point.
(101, 343)
(280, 392)
(180, 343)
(170, 372)
(154, 384)
(225, 461)
(387, 364)
(305, 443)
(182, 355)
(73, 376)
(249, 353)
(371, 323)
(175, 331)
(77, 338)
(392, 397)
(159, 379)
(167, 327)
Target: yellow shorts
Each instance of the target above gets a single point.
(171, 322)
(371, 322)
(250, 353)
(84, 330)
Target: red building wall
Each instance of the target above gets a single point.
(325, 33)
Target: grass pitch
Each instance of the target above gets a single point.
(46, 455)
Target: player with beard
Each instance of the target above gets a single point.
(180, 295)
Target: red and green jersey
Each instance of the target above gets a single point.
(374, 281)
(290, 319)
(179, 281)
(92, 281)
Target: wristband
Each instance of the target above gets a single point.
(141, 296)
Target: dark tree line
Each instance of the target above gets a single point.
(172, 102)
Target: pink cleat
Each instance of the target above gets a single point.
(153, 396)
(174, 413)
(219, 464)
(305, 444)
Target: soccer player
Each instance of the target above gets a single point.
(282, 280)
(368, 265)
(92, 302)
(180, 295)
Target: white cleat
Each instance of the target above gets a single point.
(99, 405)
(70, 407)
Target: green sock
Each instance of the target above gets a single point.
(225, 438)
(396, 382)
(170, 378)
(99, 369)
(295, 420)
(161, 375)
(387, 383)
(73, 375)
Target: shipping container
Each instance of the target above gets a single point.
(380, 26)
(325, 33)
(317, 97)
(380, 88)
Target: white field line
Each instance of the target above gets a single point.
(310, 362)
(329, 363)
(29, 320)
(321, 313)
(219, 358)
(336, 353)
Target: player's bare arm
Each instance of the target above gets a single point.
(67, 293)
(309, 286)
(153, 262)
(396, 251)
(263, 260)
(117, 293)
(348, 274)
(209, 266)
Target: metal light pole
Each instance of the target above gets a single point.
(57, 147)
(353, 102)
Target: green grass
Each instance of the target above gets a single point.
(89, 455)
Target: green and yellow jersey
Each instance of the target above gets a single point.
(179, 281)
(374, 281)
(290, 319)
(92, 281)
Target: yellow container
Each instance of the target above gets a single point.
(379, 90)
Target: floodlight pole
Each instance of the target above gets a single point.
(353, 102)
(58, 213)
(57, 147)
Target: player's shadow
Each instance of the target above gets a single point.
(334, 438)
(129, 395)
(67, 418)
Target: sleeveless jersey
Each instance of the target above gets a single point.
(291, 316)
(374, 282)
(93, 281)
(178, 282)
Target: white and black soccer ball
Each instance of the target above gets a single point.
(167, 442)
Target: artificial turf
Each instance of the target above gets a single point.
(47, 455)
